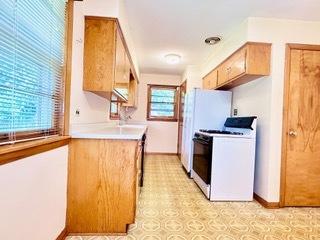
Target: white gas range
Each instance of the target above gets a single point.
(224, 160)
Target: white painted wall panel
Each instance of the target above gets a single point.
(34, 196)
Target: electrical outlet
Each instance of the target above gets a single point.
(77, 112)
(235, 112)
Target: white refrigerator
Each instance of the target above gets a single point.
(204, 109)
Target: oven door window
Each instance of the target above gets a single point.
(202, 159)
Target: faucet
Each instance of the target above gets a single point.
(123, 116)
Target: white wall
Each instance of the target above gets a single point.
(230, 43)
(278, 32)
(92, 107)
(33, 196)
(192, 75)
(162, 136)
(264, 97)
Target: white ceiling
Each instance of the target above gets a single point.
(159, 27)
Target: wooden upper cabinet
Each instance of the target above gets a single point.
(133, 93)
(250, 62)
(122, 70)
(210, 80)
(233, 67)
(99, 56)
(107, 62)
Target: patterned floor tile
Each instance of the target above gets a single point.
(171, 207)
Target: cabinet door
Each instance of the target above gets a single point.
(206, 83)
(133, 92)
(120, 61)
(233, 67)
(139, 171)
(223, 73)
(213, 76)
(237, 64)
(210, 81)
(122, 73)
(99, 55)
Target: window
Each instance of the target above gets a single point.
(31, 68)
(114, 108)
(162, 103)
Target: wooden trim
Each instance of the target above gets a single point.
(303, 46)
(161, 153)
(289, 47)
(68, 67)
(10, 153)
(62, 235)
(162, 119)
(182, 87)
(114, 116)
(264, 203)
(97, 234)
(284, 126)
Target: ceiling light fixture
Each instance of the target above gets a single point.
(212, 40)
(172, 58)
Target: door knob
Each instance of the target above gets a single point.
(292, 133)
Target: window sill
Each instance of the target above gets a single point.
(162, 119)
(10, 153)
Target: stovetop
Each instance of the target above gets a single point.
(219, 132)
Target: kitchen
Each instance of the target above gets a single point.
(84, 198)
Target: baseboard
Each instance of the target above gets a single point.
(62, 235)
(161, 153)
(264, 203)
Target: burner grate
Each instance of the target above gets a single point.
(220, 132)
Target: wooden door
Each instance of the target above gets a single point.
(183, 89)
(301, 134)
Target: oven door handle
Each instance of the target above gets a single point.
(201, 141)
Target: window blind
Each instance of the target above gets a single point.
(31, 68)
(162, 102)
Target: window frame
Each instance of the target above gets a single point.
(113, 116)
(162, 119)
(60, 119)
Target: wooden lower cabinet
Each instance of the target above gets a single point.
(102, 186)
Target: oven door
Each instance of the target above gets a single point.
(202, 159)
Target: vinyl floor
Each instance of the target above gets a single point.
(172, 207)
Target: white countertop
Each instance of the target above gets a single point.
(108, 131)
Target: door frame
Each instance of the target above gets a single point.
(289, 47)
(179, 111)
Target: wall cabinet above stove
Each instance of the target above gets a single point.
(248, 63)
(107, 61)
